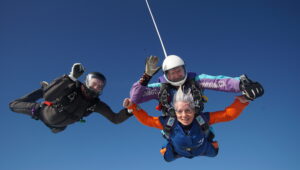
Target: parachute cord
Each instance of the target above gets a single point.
(153, 20)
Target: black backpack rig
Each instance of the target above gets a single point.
(61, 92)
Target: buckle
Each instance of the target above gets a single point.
(188, 149)
(72, 96)
(59, 107)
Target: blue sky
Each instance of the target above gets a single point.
(40, 40)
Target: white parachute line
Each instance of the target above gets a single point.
(156, 28)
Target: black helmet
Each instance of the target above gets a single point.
(89, 83)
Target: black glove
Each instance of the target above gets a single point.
(250, 89)
(77, 70)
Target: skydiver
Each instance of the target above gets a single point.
(67, 100)
(175, 75)
(191, 134)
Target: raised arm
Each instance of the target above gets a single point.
(76, 71)
(140, 91)
(230, 113)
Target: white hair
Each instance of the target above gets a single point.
(181, 96)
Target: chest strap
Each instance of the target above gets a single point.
(200, 120)
(205, 127)
(168, 127)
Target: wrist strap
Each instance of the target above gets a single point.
(144, 80)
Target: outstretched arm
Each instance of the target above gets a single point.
(142, 116)
(250, 89)
(115, 118)
(231, 112)
(220, 83)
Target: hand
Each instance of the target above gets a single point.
(250, 89)
(77, 70)
(151, 65)
(127, 102)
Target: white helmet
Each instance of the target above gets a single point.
(171, 62)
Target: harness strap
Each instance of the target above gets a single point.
(168, 109)
(91, 108)
(47, 103)
(205, 128)
(168, 127)
(60, 108)
(164, 100)
(197, 94)
(189, 149)
(165, 97)
(208, 131)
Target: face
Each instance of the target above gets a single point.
(176, 74)
(96, 84)
(184, 113)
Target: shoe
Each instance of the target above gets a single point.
(215, 144)
(163, 151)
(44, 84)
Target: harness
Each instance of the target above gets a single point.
(209, 134)
(208, 131)
(71, 116)
(165, 97)
(169, 110)
(61, 93)
(60, 108)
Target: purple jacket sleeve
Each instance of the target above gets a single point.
(140, 94)
(219, 83)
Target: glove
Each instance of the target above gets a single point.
(151, 65)
(77, 71)
(250, 89)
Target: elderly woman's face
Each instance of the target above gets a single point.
(184, 113)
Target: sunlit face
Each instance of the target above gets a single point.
(176, 74)
(96, 84)
(184, 113)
